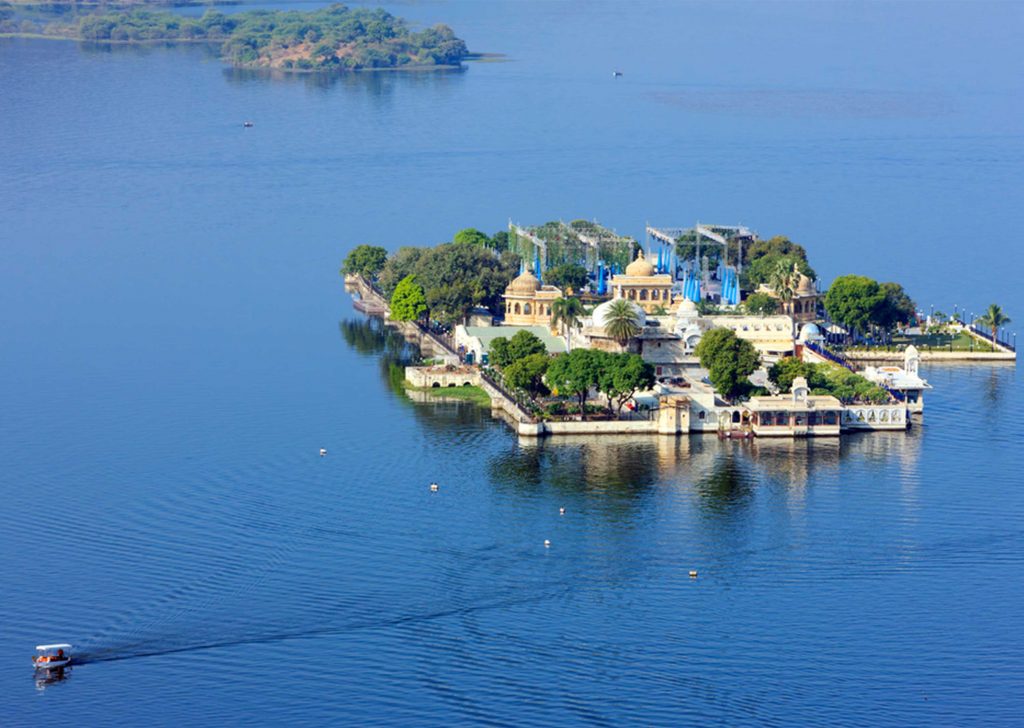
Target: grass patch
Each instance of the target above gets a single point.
(958, 341)
(467, 394)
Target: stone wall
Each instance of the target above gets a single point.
(870, 356)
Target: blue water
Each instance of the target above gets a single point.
(175, 347)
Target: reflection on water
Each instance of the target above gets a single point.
(728, 487)
(372, 83)
(201, 51)
(46, 678)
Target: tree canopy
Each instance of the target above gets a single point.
(399, 266)
(366, 260)
(409, 302)
(729, 360)
(827, 378)
(527, 374)
(472, 236)
(622, 376)
(895, 309)
(575, 373)
(852, 300)
(761, 304)
(761, 270)
(567, 276)
(779, 245)
(333, 37)
(455, 277)
(505, 352)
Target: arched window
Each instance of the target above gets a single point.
(736, 416)
(643, 294)
(517, 308)
(654, 294)
(632, 294)
(527, 308)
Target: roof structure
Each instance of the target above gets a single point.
(487, 334)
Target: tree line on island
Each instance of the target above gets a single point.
(330, 38)
(442, 285)
(524, 365)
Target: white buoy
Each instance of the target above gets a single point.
(693, 573)
(561, 511)
(434, 487)
(547, 544)
(322, 452)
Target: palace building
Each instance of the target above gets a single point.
(640, 284)
(528, 302)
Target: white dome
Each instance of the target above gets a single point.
(602, 311)
(810, 332)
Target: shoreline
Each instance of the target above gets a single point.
(241, 66)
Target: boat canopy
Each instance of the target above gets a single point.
(44, 648)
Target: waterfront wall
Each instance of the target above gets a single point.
(869, 356)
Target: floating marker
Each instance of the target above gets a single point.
(561, 511)
(547, 544)
(434, 487)
(322, 452)
(693, 573)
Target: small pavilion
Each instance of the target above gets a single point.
(528, 302)
(640, 284)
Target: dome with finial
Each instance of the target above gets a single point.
(804, 286)
(525, 283)
(640, 267)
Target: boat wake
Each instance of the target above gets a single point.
(164, 646)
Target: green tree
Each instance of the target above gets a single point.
(993, 319)
(779, 245)
(567, 276)
(895, 309)
(408, 302)
(499, 241)
(785, 370)
(457, 277)
(761, 304)
(365, 260)
(622, 322)
(729, 360)
(498, 352)
(566, 314)
(761, 270)
(622, 376)
(576, 373)
(851, 300)
(527, 374)
(525, 343)
(504, 352)
(471, 236)
(399, 266)
(450, 303)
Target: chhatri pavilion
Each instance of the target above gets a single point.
(640, 284)
(528, 302)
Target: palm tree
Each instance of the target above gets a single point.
(566, 314)
(621, 322)
(783, 280)
(993, 319)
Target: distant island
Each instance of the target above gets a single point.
(331, 38)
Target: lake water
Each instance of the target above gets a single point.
(176, 347)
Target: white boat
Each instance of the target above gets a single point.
(48, 657)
